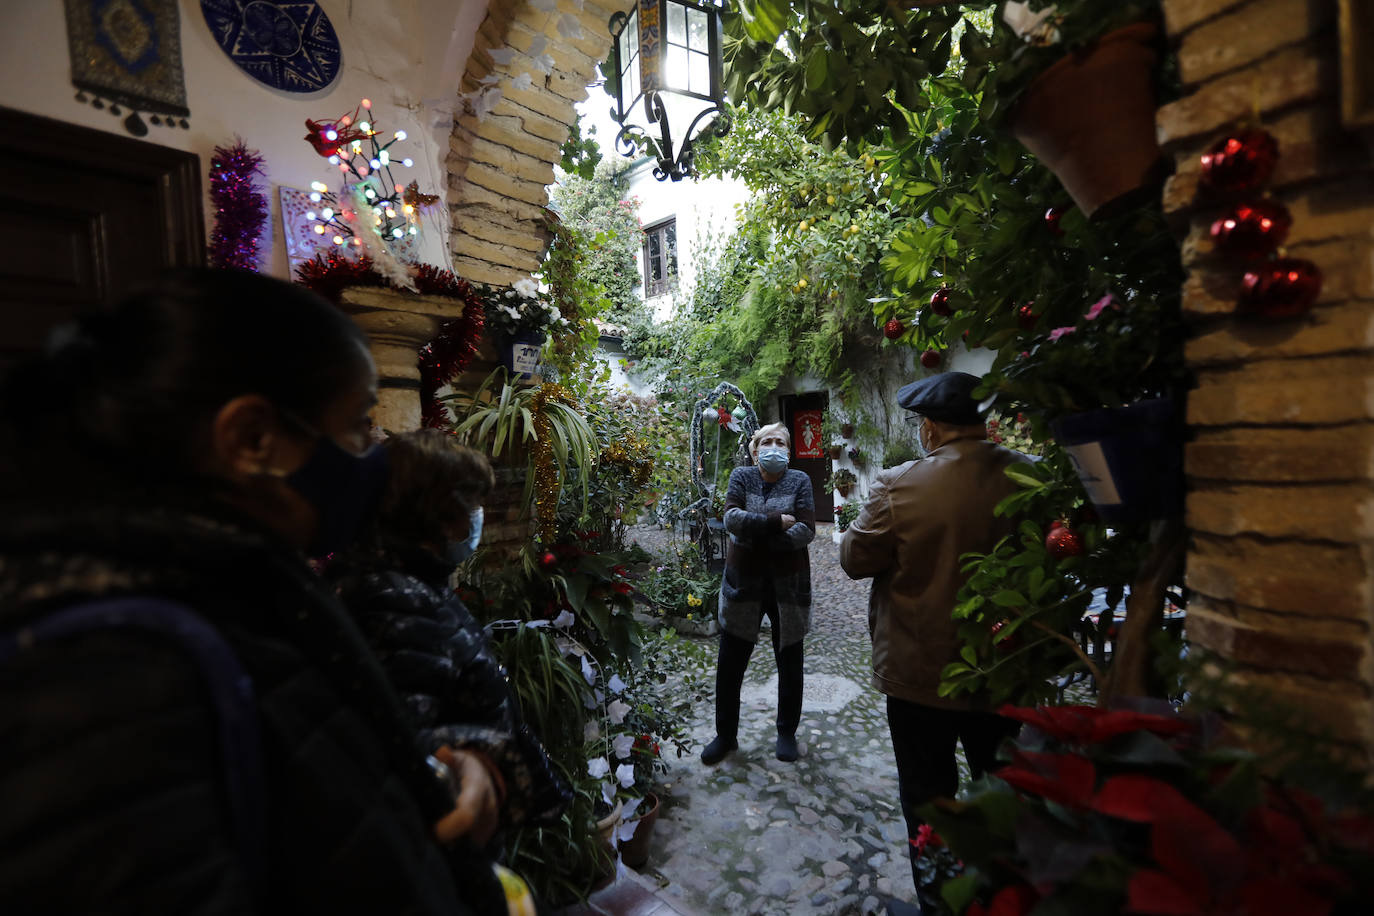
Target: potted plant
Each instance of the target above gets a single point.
(1075, 80)
(830, 435)
(520, 316)
(846, 512)
(842, 481)
(1114, 811)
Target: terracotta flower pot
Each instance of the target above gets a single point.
(836, 451)
(847, 430)
(634, 852)
(844, 488)
(1091, 117)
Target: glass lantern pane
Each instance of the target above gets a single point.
(699, 70)
(677, 24)
(629, 39)
(696, 30)
(675, 74)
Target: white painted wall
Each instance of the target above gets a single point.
(408, 56)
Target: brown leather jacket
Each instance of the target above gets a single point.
(919, 518)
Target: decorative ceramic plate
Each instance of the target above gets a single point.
(286, 45)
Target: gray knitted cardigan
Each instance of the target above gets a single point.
(760, 549)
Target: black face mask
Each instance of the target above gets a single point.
(343, 488)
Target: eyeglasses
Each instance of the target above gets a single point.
(913, 419)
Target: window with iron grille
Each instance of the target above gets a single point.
(660, 258)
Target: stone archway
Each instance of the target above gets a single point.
(501, 161)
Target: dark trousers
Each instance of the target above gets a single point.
(923, 740)
(734, 659)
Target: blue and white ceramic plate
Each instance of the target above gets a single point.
(286, 45)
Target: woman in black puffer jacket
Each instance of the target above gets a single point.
(209, 733)
(395, 582)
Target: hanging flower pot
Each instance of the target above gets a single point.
(634, 852)
(1129, 459)
(836, 450)
(520, 353)
(847, 430)
(1091, 117)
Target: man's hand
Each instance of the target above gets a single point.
(788, 521)
(476, 811)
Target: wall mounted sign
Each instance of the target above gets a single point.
(806, 434)
(284, 45)
(128, 52)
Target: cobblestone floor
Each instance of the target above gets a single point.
(823, 835)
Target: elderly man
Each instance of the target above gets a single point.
(919, 518)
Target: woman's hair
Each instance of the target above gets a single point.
(433, 483)
(768, 430)
(123, 398)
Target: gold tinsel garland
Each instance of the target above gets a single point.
(633, 454)
(546, 482)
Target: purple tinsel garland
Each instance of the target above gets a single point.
(240, 208)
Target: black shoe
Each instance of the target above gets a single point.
(787, 747)
(715, 752)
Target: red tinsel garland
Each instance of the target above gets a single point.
(240, 208)
(443, 358)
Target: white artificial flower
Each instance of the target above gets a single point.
(510, 294)
(526, 287)
(618, 710)
(591, 731)
(502, 56)
(598, 767)
(628, 811)
(538, 45)
(511, 311)
(569, 27)
(615, 684)
(1031, 26)
(588, 673)
(564, 620)
(544, 6)
(544, 63)
(608, 792)
(523, 82)
(535, 624)
(622, 745)
(626, 774)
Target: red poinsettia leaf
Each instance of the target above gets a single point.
(1273, 896)
(975, 909)
(1120, 721)
(1065, 778)
(1196, 850)
(1156, 893)
(1066, 723)
(1136, 797)
(1276, 831)
(1016, 900)
(1354, 831)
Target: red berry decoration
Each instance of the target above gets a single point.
(1240, 162)
(1052, 217)
(1252, 230)
(1063, 542)
(939, 301)
(1280, 288)
(930, 359)
(548, 559)
(1026, 317)
(894, 328)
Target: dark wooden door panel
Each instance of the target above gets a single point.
(86, 217)
(818, 469)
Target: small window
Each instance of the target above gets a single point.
(660, 258)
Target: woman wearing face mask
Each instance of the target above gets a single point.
(191, 722)
(395, 582)
(770, 515)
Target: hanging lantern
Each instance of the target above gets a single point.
(665, 74)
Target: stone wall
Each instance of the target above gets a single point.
(499, 164)
(1280, 505)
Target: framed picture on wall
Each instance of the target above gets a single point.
(1357, 63)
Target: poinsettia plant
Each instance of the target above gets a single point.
(1127, 811)
(521, 308)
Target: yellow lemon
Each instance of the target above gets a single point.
(830, 199)
(802, 283)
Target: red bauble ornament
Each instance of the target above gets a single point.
(930, 359)
(894, 328)
(1252, 230)
(1026, 317)
(1052, 217)
(1057, 523)
(1280, 288)
(548, 559)
(1063, 542)
(1243, 161)
(939, 301)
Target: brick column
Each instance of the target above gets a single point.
(1281, 466)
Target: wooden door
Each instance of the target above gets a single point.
(86, 217)
(790, 407)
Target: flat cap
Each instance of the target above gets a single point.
(945, 398)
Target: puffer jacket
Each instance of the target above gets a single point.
(112, 797)
(919, 519)
(438, 657)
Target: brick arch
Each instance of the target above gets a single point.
(498, 166)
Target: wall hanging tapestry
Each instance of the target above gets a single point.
(287, 46)
(128, 53)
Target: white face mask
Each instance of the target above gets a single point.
(773, 459)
